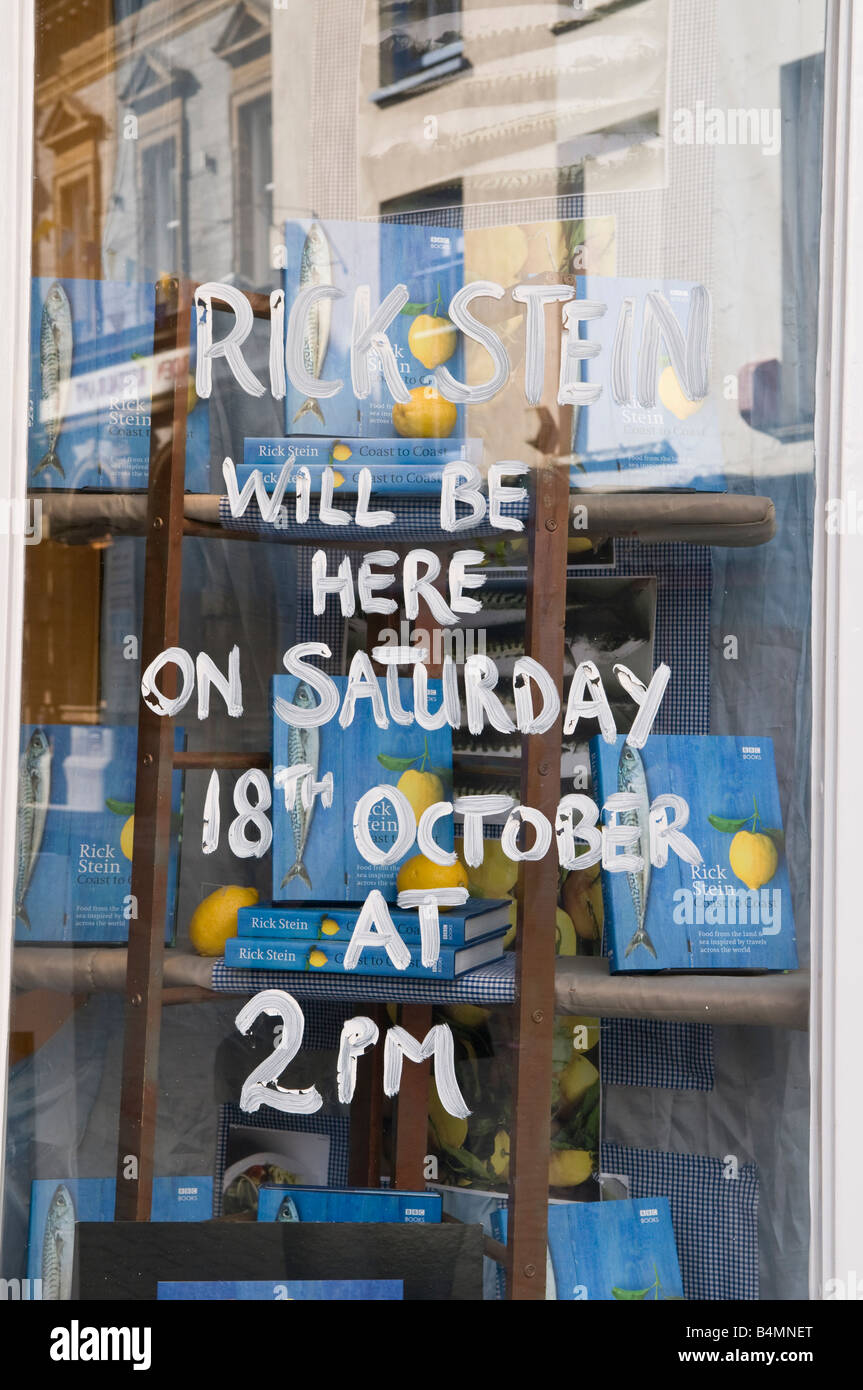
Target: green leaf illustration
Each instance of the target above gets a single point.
(629, 1294)
(120, 808)
(777, 836)
(395, 764)
(728, 826)
(412, 309)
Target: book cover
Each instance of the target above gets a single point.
(328, 957)
(314, 856)
(609, 1251)
(282, 1291)
(458, 925)
(92, 374)
(76, 792)
(732, 909)
(409, 466)
(674, 442)
(56, 1204)
(347, 1204)
(379, 256)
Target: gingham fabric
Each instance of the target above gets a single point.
(335, 1126)
(715, 1218)
(489, 984)
(644, 1052)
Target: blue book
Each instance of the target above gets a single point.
(348, 255)
(459, 926)
(56, 1204)
(327, 958)
(732, 909)
(348, 1204)
(76, 792)
(606, 1251)
(674, 443)
(314, 855)
(91, 379)
(397, 466)
(284, 1291)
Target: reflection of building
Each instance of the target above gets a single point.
(154, 144)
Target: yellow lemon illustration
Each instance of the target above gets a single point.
(426, 416)
(469, 1015)
(499, 1160)
(569, 1167)
(421, 872)
(127, 837)
(577, 1078)
(432, 339)
(341, 453)
(753, 858)
(448, 1129)
(672, 396)
(215, 918)
(317, 958)
(329, 927)
(338, 478)
(422, 790)
(495, 877)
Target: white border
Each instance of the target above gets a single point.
(836, 1190)
(16, 121)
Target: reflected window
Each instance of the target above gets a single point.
(254, 188)
(160, 223)
(420, 42)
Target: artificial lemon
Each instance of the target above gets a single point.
(127, 837)
(215, 918)
(432, 339)
(468, 1015)
(495, 877)
(753, 858)
(672, 396)
(577, 1078)
(565, 942)
(421, 872)
(329, 927)
(499, 1161)
(426, 416)
(317, 958)
(422, 790)
(341, 453)
(569, 1167)
(582, 898)
(449, 1130)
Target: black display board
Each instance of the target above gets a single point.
(124, 1260)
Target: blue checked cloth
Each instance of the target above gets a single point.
(644, 1052)
(337, 1127)
(489, 984)
(715, 1218)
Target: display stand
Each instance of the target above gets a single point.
(170, 516)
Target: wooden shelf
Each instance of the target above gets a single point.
(700, 518)
(583, 985)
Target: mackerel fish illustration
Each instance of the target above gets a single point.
(632, 778)
(58, 1244)
(303, 747)
(55, 365)
(34, 789)
(288, 1209)
(316, 268)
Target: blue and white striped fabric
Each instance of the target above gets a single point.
(715, 1218)
(336, 1127)
(645, 1052)
(489, 984)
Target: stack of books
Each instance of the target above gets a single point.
(315, 937)
(320, 879)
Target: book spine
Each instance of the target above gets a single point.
(254, 925)
(387, 479)
(330, 960)
(599, 791)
